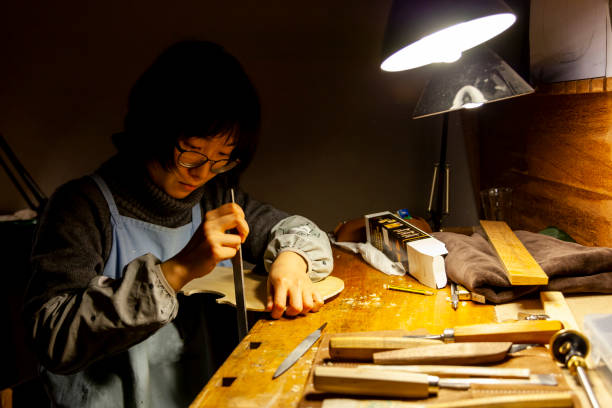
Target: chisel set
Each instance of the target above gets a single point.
(419, 367)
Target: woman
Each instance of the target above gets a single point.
(113, 249)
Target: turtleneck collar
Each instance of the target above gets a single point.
(139, 197)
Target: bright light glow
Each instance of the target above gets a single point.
(472, 105)
(448, 44)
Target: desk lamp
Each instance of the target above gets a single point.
(421, 32)
(480, 77)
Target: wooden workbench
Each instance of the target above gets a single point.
(245, 379)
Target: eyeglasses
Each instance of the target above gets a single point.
(191, 160)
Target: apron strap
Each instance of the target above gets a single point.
(107, 195)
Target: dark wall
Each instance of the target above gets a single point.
(338, 140)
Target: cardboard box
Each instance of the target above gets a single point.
(400, 241)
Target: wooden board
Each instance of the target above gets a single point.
(557, 159)
(557, 308)
(221, 281)
(245, 379)
(520, 266)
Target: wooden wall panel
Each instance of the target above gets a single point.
(554, 148)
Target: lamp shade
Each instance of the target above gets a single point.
(481, 76)
(420, 32)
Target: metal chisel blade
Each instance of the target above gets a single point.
(238, 268)
(464, 383)
(299, 351)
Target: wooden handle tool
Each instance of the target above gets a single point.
(354, 381)
(447, 354)
(522, 331)
(362, 348)
(367, 381)
(457, 370)
(557, 399)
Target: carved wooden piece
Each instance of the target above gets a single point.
(221, 281)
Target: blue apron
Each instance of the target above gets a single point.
(161, 371)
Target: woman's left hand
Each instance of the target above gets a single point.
(290, 289)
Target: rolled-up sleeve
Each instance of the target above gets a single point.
(300, 235)
(73, 329)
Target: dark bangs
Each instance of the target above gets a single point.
(194, 89)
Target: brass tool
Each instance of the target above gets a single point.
(409, 290)
(524, 331)
(464, 294)
(570, 348)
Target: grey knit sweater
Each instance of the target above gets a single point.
(76, 316)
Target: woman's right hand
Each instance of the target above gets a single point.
(211, 244)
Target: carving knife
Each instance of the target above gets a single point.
(299, 351)
(454, 353)
(523, 331)
(243, 327)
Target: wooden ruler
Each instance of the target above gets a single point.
(518, 263)
(556, 307)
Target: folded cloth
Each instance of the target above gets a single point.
(571, 268)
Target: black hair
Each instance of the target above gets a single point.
(193, 89)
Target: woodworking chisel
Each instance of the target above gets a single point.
(450, 353)
(365, 381)
(523, 331)
(456, 370)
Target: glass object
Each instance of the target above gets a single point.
(480, 77)
(191, 160)
(497, 204)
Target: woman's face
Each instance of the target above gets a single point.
(179, 181)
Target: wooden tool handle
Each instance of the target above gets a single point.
(363, 381)
(522, 331)
(362, 348)
(458, 370)
(561, 399)
(453, 353)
